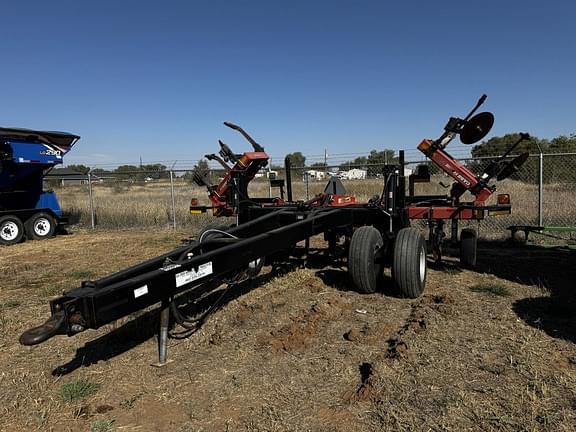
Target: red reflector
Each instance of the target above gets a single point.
(194, 202)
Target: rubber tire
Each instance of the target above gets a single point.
(409, 262)
(11, 222)
(468, 246)
(366, 273)
(30, 226)
(519, 237)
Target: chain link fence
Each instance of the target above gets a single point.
(542, 190)
(542, 193)
(142, 199)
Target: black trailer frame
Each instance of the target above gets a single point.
(375, 234)
(160, 279)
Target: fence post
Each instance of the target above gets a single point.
(173, 199)
(306, 176)
(91, 196)
(288, 174)
(269, 180)
(540, 188)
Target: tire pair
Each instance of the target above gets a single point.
(38, 227)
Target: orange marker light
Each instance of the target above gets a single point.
(503, 199)
(424, 145)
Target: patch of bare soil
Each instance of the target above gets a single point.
(298, 350)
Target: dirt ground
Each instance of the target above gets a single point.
(299, 350)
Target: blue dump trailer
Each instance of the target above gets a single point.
(27, 211)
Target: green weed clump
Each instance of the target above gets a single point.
(492, 288)
(102, 426)
(82, 274)
(78, 389)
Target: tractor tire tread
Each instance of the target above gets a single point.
(365, 273)
(468, 247)
(408, 246)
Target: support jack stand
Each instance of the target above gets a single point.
(163, 335)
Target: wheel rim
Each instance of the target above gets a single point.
(9, 231)
(422, 264)
(42, 227)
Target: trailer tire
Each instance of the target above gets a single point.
(40, 226)
(468, 247)
(11, 230)
(364, 267)
(409, 262)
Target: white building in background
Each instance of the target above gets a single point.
(314, 175)
(270, 174)
(354, 174)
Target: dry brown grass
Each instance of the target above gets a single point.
(294, 353)
(125, 205)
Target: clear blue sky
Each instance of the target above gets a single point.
(156, 79)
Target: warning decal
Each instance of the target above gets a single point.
(188, 276)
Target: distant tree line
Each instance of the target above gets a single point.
(497, 145)
(375, 157)
(127, 172)
(556, 168)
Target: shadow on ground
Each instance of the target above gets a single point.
(145, 325)
(194, 305)
(551, 268)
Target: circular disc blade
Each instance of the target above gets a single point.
(476, 128)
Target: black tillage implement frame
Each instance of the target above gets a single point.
(375, 234)
(100, 302)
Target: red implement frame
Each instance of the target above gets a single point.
(465, 178)
(249, 163)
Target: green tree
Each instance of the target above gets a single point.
(297, 162)
(561, 168)
(372, 163)
(100, 172)
(201, 169)
(82, 169)
(556, 168)
(319, 166)
(359, 162)
(155, 171)
(297, 159)
(496, 146)
(383, 157)
(129, 172)
(563, 144)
